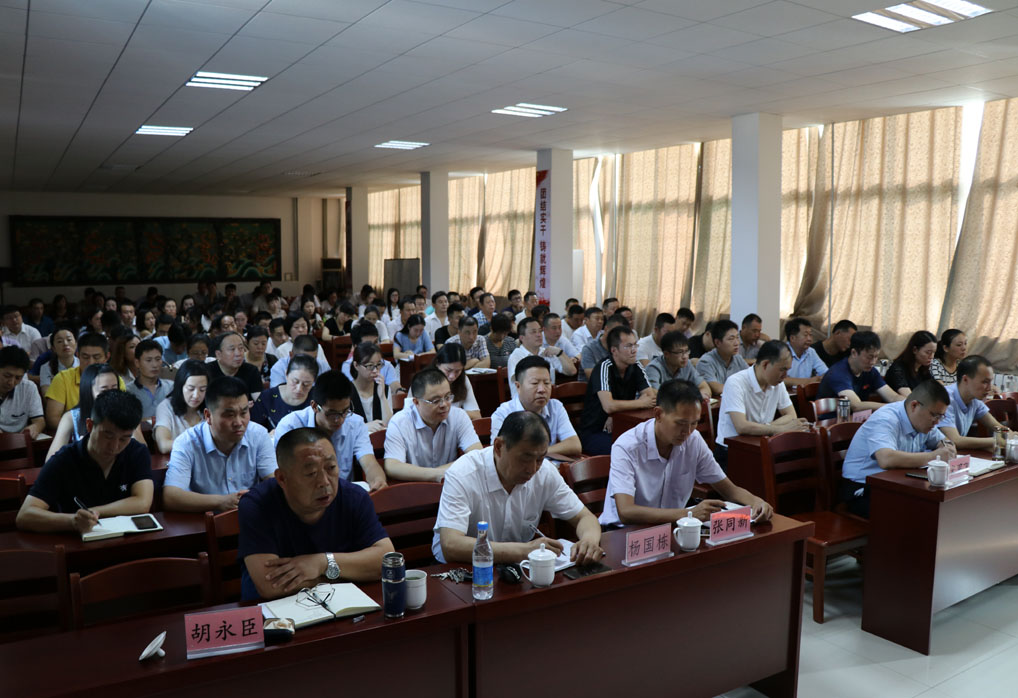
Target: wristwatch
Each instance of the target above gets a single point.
(332, 569)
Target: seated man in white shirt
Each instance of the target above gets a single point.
(20, 404)
(655, 465)
(533, 394)
(440, 316)
(751, 398)
(650, 346)
(422, 438)
(552, 325)
(16, 331)
(529, 303)
(593, 321)
(531, 344)
(572, 321)
(975, 382)
(510, 485)
(406, 309)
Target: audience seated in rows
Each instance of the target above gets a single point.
(674, 364)
(650, 347)
(370, 399)
(273, 404)
(474, 346)
(855, 377)
(532, 344)
(533, 394)
(806, 364)
(723, 361)
(596, 350)
(450, 360)
(184, 408)
(20, 405)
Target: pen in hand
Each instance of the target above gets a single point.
(81, 505)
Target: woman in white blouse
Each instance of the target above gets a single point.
(184, 407)
(371, 400)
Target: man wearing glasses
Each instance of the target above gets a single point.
(421, 439)
(307, 525)
(330, 412)
(617, 384)
(650, 346)
(674, 364)
(899, 435)
(807, 367)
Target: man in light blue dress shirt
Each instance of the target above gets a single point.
(807, 367)
(975, 382)
(533, 394)
(902, 435)
(215, 462)
(330, 411)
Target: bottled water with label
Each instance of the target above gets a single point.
(484, 564)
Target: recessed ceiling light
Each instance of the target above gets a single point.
(402, 145)
(886, 22)
(150, 130)
(225, 81)
(529, 110)
(961, 7)
(922, 14)
(919, 14)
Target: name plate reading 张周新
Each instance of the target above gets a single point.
(733, 524)
(648, 544)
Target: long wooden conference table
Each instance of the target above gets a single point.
(696, 624)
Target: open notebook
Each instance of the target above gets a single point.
(344, 600)
(116, 526)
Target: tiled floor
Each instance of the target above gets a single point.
(975, 648)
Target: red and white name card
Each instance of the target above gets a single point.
(861, 415)
(223, 632)
(958, 470)
(733, 524)
(648, 544)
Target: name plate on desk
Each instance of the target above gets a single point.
(223, 632)
(958, 471)
(861, 416)
(733, 524)
(648, 544)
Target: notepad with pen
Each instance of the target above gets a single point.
(320, 603)
(117, 526)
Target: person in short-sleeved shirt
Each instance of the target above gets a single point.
(20, 405)
(351, 440)
(306, 525)
(756, 396)
(856, 377)
(975, 381)
(715, 370)
(674, 364)
(230, 362)
(509, 488)
(422, 438)
(841, 377)
(533, 394)
(150, 400)
(806, 364)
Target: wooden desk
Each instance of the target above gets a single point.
(930, 548)
(376, 657)
(183, 535)
(596, 627)
(624, 421)
(745, 463)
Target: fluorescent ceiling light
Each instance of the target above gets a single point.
(150, 130)
(529, 110)
(402, 145)
(886, 22)
(920, 15)
(961, 7)
(225, 81)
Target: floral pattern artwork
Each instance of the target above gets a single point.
(53, 250)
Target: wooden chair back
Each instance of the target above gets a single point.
(341, 348)
(572, 396)
(398, 401)
(706, 424)
(823, 408)
(589, 479)
(378, 443)
(1004, 411)
(805, 395)
(34, 595)
(483, 428)
(386, 349)
(12, 493)
(407, 511)
(793, 472)
(836, 439)
(16, 452)
(222, 533)
(139, 587)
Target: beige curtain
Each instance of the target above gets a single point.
(711, 295)
(383, 214)
(798, 174)
(981, 297)
(408, 240)
(895, 217)
(656, 230)
(583, 221)
(509, 230)
(466, 199)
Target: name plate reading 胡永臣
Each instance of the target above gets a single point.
(223, 632)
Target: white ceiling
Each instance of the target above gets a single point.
(77, 77)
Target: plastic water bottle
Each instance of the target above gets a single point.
(484, 564)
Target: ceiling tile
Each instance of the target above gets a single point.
(633, 23)
(465, 50)
(200, 45)
(502, 30)
(578, 44)
(765, 51)
(702, 38)
(13, 20)
(246, 55)
(644, 55)
(266, 25)
(88, 29)
(115, 10)
(700, 10)
(562, 13)
(343, 11)
(367, 37)
(836, 34)
(414, 16)
(777, 17)
(195, 16)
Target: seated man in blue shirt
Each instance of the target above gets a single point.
(215, 462)
(975, 382)
(330, 412)
(855, 377)
(901, 435)
(307, 525)
(807, 366)
(107, 471)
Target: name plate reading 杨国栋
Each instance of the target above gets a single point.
(648, 544)
(223, 632)
(733, 524)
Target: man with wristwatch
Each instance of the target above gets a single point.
(307, 525)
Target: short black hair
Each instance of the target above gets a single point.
(575, 309)
(219, 339)
(277, 322)
(93, 339)
(468, 321)
(288, 443)
(663, 319)
(291, 320)
(864, 341)
(436, 295)
(331, 385)
(592, 310)
(772, 351)
(549, 316)
(121, 409)
(147, 345)
(527, 363)
(486, 295)
(199, 338)
(521, 326)
(795, 325)
(121, 305)
(616, 319)
(969, 366)
(348, 308)
(615, 335)
(361, 330)
(15, 357)
(929, 392)
(752, 317)
(305, 342)
(674, 339)
(610, 300)
(720, 328)
(524, 426)
(455, 308)
(252, 331)
(224, 388)
(678, 392)
(500, 323)
(513, 292)
(8, 309)
(423, 379)
(686, 313)
(844, 326)
(529, 294)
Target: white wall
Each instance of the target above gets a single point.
(308, 231)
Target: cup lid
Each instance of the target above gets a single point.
(542, 554)
(689, 521)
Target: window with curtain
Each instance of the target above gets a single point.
(466, 201)
(394, 228)
(798, 175)
(656, 230)
(584, 211)
(711, 295)
(509, 231)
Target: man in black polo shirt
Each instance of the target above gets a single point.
(230, 362)
(307, 525)
(617, 384)
(107, 471)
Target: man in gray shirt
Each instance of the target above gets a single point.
(596, 350)
(723, 360)
(674, 364)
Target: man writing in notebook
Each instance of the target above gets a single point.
(307, 525)
(107, 473)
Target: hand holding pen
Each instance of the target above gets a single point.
(84, 519)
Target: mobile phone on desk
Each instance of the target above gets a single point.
(577, 571)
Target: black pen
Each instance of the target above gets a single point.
(81, 505)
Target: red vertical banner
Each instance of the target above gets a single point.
(542, 238)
